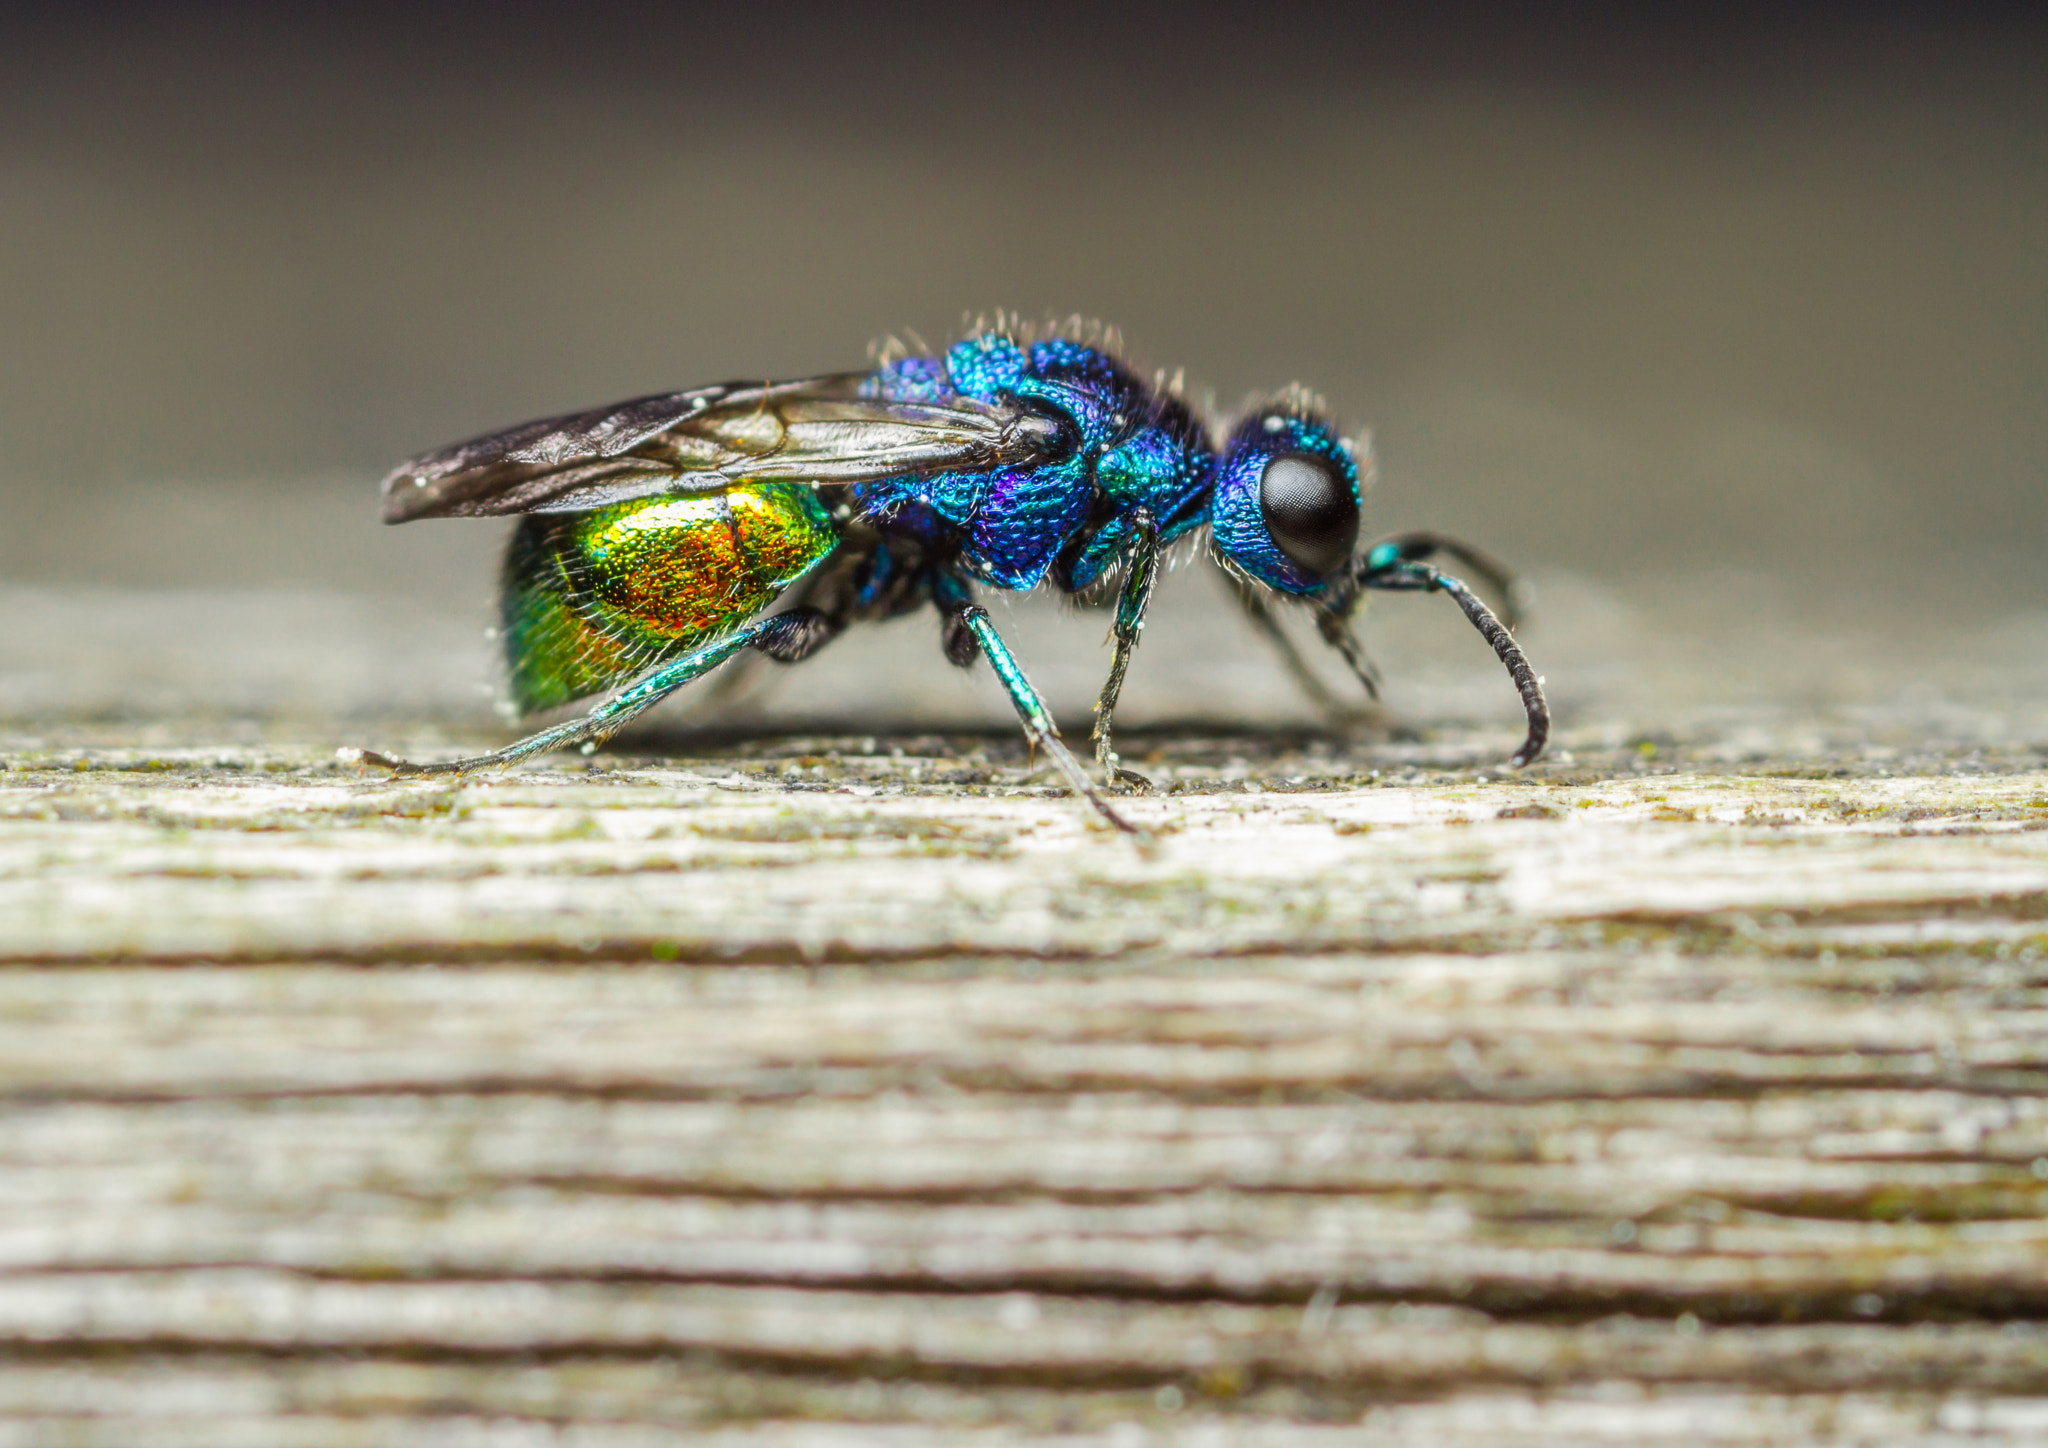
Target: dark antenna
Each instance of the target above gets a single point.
(1404, 575)
(1515, 593)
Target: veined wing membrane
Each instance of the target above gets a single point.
(821, 430)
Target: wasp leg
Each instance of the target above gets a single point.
(1336, 631)
(1141, 573)
(739, 682)
(800, 632)
(1515, 593)
(1260, 615)
(1408, 576)
(786, 637)
(968, 629)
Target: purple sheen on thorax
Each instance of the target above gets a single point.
(1024, 519)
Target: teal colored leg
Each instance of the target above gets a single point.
(1141, 572)
(612, 715)
(1038, 725)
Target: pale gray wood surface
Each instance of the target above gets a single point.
(800, 1093)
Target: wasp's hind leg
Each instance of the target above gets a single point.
(740, 680)
(1141, 573)
(785, 637)
(968, 632)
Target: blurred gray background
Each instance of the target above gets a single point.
(1730, 327)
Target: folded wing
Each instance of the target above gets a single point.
(823, 430)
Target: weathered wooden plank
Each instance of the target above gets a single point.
(840, 1097)
(741, 867)
(215, 1403)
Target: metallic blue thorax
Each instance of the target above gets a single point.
(1070, 518)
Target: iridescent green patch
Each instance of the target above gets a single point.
(591, 599)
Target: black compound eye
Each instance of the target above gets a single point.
(1310, 511)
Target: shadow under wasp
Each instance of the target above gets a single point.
(655, 534)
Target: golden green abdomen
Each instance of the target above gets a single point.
(591, 599)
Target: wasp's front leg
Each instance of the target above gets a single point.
(1259, 614)
(1141, 573)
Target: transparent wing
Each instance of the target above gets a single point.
(821, 430)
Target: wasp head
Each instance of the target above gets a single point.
(1287, 501)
